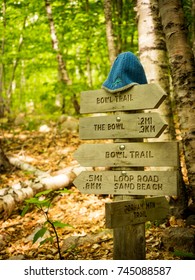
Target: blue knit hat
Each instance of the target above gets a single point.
(126, 72)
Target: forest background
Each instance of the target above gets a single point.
(53, 50)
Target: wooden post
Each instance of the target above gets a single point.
(129, 241)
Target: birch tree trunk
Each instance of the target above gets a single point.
(13, 196)
(55, 44)
(182, 66)
(62, 69)
(15, 64)
(152, 50)
(153, 55)
(3, 106)
(109, 30)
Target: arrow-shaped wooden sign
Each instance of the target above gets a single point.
(144, 125)
(135, 211)
(128, 154)
(127, 182)
(139, 97)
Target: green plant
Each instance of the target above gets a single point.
(184, 255)
(43, 201)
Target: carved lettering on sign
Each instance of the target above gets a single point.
(133, 154)
(99, 127)
(132, 207)
(115, 126)
(146, 125)
(115, 155)
(141, 154)
(122, 126)
(109, 126)
(116, 98)
(139, 209)
(139, 183)
(135, 211)
(94, 182)
(128, 182)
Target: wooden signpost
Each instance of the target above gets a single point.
(128, 154)
(135, 211)
(143, 125)
(127, 180)
(148, 96)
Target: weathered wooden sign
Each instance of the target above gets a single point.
(121, 214)
(147, 96)
(127, 182)
(143, 125)
(135, 211)
(128, 154)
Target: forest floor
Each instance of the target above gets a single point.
(51, 149)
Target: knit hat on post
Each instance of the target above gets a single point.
(126, 72)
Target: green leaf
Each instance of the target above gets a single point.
(36, 201)
(50, 239)
(32, 200)
(63, 191)
(60, 224)
(182, 254)
(39, 234)
(43, 193)
(25, 210)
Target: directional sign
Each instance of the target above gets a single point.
(147, 96)
(135, 211)
(145, 125)
(128, 154)
(127, 182)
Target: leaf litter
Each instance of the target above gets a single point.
(87, 238)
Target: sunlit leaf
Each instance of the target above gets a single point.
(36, 201)
(63, 191)
(25, 210)
(60, 224)
(43, 193)
(39, 234)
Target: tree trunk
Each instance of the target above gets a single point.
(193, 26)
(119, 19)
(62, 71)
(182, 66)
(5, 165)
(109, 30)
(153, 55)
(2, 86)
(15, 64)
(152, 50)
(88, 48)
(13, 196)
(55, 44)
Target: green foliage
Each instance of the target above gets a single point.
(184, 255)
(155, 223)
(43, 201)
(39, 234)
(189, 18)
(80, 29)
